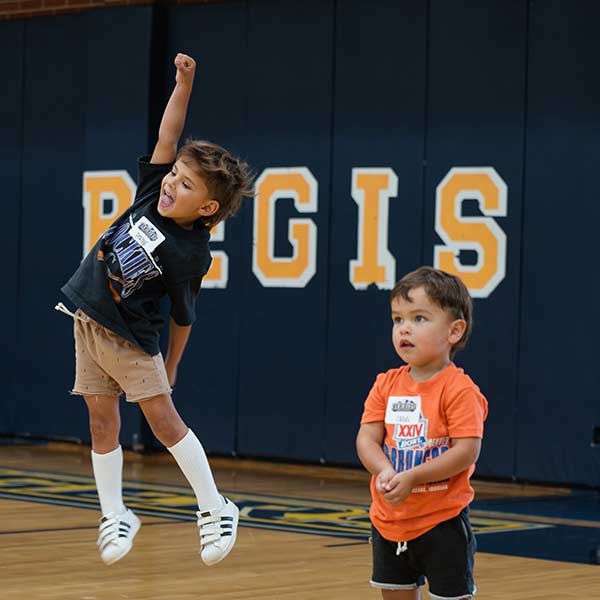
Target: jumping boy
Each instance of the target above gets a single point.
(420, 437)
(158, 247)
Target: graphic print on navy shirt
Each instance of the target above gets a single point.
(129, 260)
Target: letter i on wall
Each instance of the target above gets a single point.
(372, 190)
(106, 195)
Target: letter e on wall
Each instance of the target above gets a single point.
(296, 271)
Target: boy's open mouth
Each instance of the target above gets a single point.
(406, 344)
(165, 200)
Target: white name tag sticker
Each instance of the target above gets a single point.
(403, 410)
(146, 234)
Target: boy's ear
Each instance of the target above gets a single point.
(209, 208)
(457, 330)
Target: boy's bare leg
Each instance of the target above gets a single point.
(180, 441)
(105, 422)
(169, 428)
(217, 516)
(107, 457)
(118, 525)
(401, 594)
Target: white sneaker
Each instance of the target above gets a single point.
(115, 535)
(218, 530)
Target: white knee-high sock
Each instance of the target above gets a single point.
(108, 472)
(192, 461)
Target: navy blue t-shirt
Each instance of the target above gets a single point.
(141, 258)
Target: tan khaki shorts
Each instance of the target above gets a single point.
(106, 364)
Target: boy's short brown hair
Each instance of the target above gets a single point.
(227, 178)
(446, 290)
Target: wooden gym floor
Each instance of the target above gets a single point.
(302, 534)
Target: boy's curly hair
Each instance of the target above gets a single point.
(228, 179)
(446, 290)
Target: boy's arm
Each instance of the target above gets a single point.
(173, 119)
(178, 338)
(369, 447)
(463, 453)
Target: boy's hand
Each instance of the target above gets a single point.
(382, 481)
(186, 67)
(399, 488)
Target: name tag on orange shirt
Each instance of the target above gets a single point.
(403, 410)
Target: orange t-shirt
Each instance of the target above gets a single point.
(420, 418)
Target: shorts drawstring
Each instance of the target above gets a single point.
(402, 546)
(63, 309)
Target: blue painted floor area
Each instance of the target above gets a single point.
(578, 504)
(559, 542)
(571, 534)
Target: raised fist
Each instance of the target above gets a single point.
(186, 66)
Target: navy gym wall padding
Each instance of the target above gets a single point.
(283, 331)
(379, 97)
(558, 373)
(415, 87)
(475, 117)
(50, 243)
(11, 123)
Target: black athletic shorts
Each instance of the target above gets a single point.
(444, 556)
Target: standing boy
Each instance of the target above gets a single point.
(420, 437)
(158, 247)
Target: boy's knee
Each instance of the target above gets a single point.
(168, 432)
(103, 427)
(164, 420)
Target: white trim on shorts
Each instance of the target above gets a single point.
(454, 597)
(394, 586)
